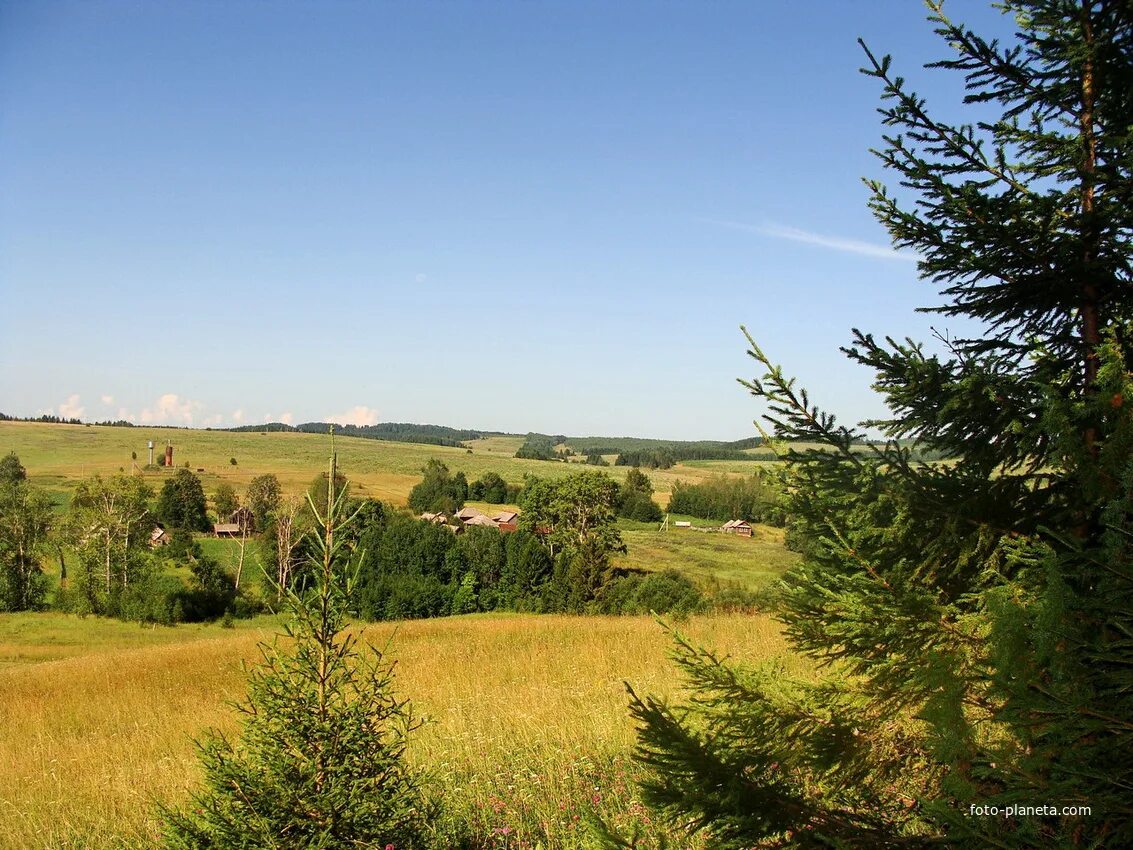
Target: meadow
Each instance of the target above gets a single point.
(527, 732)
(59, 456)
(527, 736)
(713, 560)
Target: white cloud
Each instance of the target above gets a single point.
(421, 277)
(286, 418)
(71, 409)
(238, 417)
(171, 409)
(359, 415)
(107, 400)
(834, 243)
(213, 421)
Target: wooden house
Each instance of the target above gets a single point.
(507, 521)
(226, 529)
(737, 526)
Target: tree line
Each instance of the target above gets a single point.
(758, 498)
(398, 432)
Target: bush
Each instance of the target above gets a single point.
(640, 506)
(155, 599)
(668, 592)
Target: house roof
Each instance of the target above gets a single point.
(736, 523)
(226, 528)
(505, 516)
(467, 513)
(480, 519)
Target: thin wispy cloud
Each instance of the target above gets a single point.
(834, 243)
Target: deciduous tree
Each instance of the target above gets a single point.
(438, 490)
(263, 498)
(26, 519)
(109, 523)
(576, 515)
(225, 501)
(11, 470)
(181, 502)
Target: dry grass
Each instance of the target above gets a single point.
(528, 721)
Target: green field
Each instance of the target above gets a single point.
(712, 559)
(58, 456)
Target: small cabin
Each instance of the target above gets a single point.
(737, 526)
(226, 529)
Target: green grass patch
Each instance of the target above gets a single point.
(712, 559)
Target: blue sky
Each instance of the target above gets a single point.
(501, 215)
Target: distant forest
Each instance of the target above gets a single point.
(398, 432)
(661, 454)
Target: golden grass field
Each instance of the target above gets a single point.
(528, 730)
(58, 456)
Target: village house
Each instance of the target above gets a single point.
(506, 521)
(737, 526)
(226, 529)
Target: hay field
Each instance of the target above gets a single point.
(528, 730)
(58, 456)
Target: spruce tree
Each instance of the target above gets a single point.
(320, 762)
(972, 620)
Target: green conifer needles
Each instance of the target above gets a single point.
(320, 762)
(972, 619)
